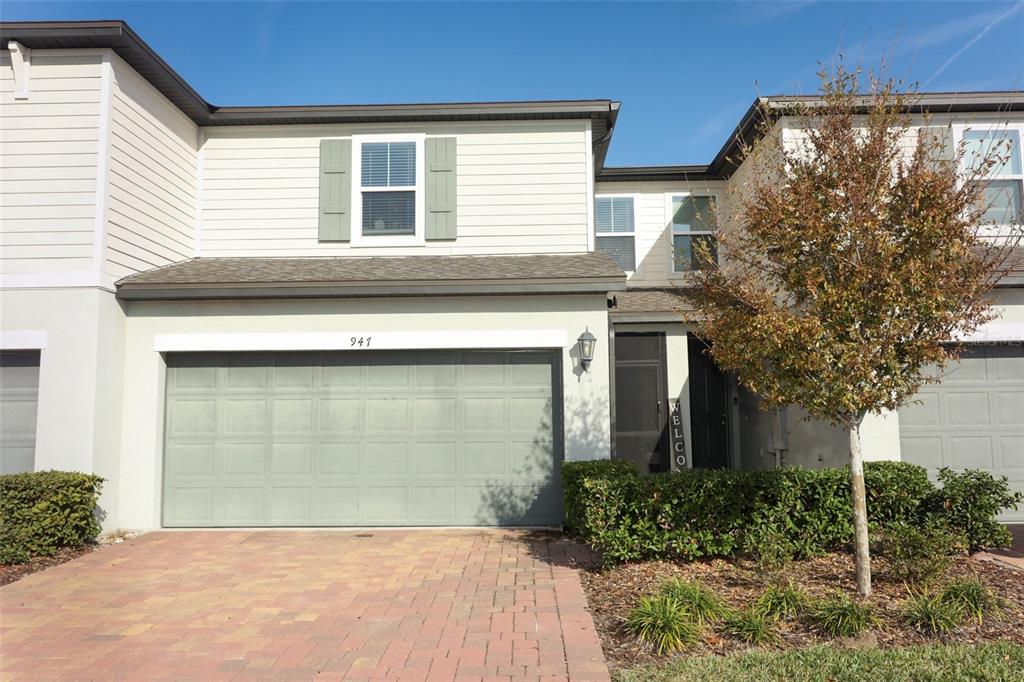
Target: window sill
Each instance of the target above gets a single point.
(386, 242)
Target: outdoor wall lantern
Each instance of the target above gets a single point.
(586, 341)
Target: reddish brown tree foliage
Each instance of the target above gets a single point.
(855, 253)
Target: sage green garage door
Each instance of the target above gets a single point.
(362, 438)
(973, 419)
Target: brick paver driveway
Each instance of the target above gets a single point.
(295, 604)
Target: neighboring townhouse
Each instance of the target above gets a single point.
(385, 314)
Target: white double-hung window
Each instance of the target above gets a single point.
(388, 192)
(1004, 182)
(615, 225)
(693, 223)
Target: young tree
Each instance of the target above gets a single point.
(854, 257)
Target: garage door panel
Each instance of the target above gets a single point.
(361, 438)
(339, 459)
(191, 459)
(434, 414)
(343, 415)
(244, 459)
(336, 505)
(973, 419)
(1010, 407)
(969, 409)
(435, 459)
(923, 411)
(193, 417)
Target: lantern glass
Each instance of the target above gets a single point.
(587, 341)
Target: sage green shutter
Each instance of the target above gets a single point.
(335, 190)
(440, 188)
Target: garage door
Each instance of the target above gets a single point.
(19, 396)
(974, 419)
(362, 438)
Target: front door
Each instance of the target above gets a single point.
(709, 409)
(641, 410)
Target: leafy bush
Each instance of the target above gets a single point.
(664, 623)
(42, 511)
(699, 512)
(918, 554)
(768, 546)
(574, 473)
(751, 627)
(840, 616)
(703, 604)
(973, 598)
(781, 602)
(769, 514)
(969, 502)
(932, 615)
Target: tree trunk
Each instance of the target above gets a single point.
(860, 512)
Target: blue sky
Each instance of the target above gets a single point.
(684, 71)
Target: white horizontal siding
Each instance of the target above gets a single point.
(522, 188)
(48, 162)
(152, 185)
(653, 228)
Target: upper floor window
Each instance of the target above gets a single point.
(616, 230)
(693, 222)
(388, 201)
(1004, 184)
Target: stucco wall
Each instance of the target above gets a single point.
(410, 323)
(80, 377)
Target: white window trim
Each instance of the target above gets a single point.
(633, 234)
(358, 238)
(670, 215)
(958, 139)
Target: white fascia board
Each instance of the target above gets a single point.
(995, 332)
(372, 340)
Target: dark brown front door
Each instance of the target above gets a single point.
(709, 409)
(641, 410)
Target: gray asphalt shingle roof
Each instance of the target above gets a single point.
(408, 275)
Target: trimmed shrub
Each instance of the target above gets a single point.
(840, 616)
(931, 615)
(918, 553)
(969, 502)
(573, 475)
(664, 623)
(771, 515)
(42, 511)
(703, 604)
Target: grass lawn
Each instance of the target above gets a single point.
(978, 663)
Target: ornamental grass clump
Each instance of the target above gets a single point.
(840, 616)
(751, 626)
(974, 599)
(664, 623)
(781, 602)
(702, 603)
(931, 615)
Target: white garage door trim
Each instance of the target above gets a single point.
(377, 340)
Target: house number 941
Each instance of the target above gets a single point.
(360, 341)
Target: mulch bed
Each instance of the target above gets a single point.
(11, 572)
(612, 593)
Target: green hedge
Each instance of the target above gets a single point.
(700, 512)
(42, 511)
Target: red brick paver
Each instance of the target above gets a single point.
(291, 605)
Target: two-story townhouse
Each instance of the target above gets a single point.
(374, 315)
